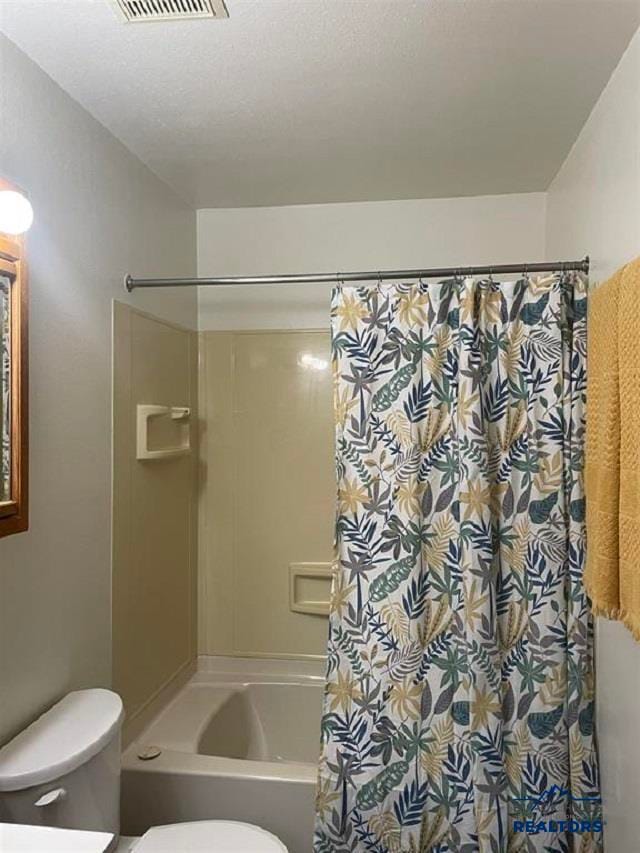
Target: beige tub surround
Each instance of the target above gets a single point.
(154, 512)
(267, 492)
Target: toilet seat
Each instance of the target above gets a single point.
(208, 836)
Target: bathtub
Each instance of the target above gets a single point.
(240, 741)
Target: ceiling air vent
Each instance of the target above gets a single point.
(136, 11)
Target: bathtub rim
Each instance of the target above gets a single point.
(196, 764)
(262, 666)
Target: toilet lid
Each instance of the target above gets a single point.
(209, 836)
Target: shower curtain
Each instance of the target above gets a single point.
(458, 711)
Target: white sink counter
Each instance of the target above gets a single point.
(16, 838)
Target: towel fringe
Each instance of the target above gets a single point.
(617, 614)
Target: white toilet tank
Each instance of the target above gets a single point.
(64, 769)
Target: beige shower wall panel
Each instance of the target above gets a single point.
(154, 513)
(217, 489)
(268, 492)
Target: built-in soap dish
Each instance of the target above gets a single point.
(178, 415)
(310, 588)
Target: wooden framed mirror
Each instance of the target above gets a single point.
(14, 354)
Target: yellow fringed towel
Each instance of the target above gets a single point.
(612, 467)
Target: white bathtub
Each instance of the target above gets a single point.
(239, 742)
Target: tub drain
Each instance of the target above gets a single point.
(149, 752)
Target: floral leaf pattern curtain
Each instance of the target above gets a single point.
(459, 696)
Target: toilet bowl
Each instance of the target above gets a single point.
(64, 771)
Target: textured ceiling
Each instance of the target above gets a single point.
(297, 101)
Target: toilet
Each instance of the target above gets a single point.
(64, 771)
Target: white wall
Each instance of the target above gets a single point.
(99, 213)
(594, 206)
(363, 235)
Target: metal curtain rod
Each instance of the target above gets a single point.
(378, 275)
